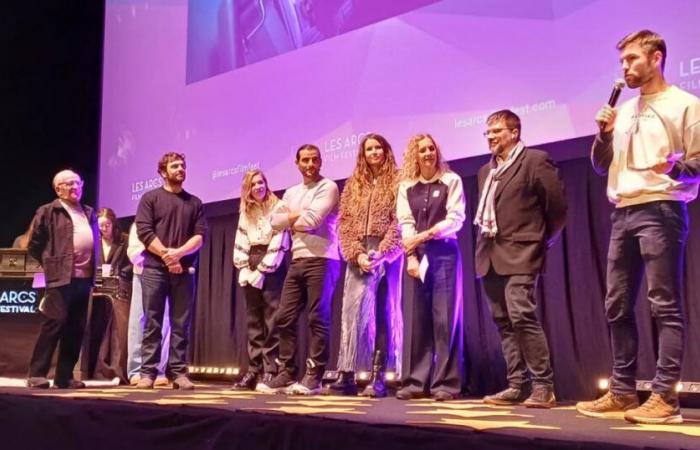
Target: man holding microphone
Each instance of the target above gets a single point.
(650, 149)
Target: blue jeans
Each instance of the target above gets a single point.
(649, 237)
(161, 288)
(137, 321)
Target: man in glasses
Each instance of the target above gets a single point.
(63, 240)
(521, 212)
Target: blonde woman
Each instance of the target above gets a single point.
(370, 243)
(430, 211)
(258, 254)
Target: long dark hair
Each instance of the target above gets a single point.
(109, 214)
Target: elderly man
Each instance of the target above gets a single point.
(64, 241)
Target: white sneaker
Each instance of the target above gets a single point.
(301, 389)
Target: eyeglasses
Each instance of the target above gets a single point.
(487, 133)
(76, 183)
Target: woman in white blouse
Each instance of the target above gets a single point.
(430, 211)
(258, 255)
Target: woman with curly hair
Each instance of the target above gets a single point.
(258, 254)
(370, 243)
(430, 211)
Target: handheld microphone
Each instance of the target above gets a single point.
(614, 97)
(616, 90)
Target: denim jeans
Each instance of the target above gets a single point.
(161, 288)
(137, 321)
(650, 237)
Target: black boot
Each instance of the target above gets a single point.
(344, 385)
(376, 388)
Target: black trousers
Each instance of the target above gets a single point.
(261, 305)
(160, 286)
(65, 310)
(309, 282)
(524, 344)
(433, 322)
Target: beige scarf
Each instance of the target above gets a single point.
(486, 213)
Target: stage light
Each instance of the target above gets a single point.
(390, 376)
(603, 384)
(214, 373)
(363, 376)
(679, 387)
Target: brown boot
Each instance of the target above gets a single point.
(610, 403)
(658, 409)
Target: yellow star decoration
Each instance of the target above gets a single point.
(81, 394)
(466, 411)
(123, 390)
(181, 401)
(468, 414)
(618, 416)
(309, 410)
(199, 396)
(485, 424)
(318, 404)
(688, 430)
(459, 406)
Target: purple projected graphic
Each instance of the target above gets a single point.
(227, 34)
(439, 68)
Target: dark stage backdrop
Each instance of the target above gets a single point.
(570, 294)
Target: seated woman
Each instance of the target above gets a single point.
(258, 255)
(430, 210)
(370, 243)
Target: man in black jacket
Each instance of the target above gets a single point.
(521, 212)
(63, 240)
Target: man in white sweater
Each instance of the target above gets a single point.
(650, 149)
(311, 214)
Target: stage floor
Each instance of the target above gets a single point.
(494, 427)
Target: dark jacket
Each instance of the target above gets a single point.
(117, 258)
(530, 213)
(51, 242)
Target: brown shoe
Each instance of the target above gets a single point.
(161, 381)
(38, 383)
(145, 383)
(607, 404)
(509, 396)
(184, 383)
(541, 397)
(444, 396)
(658, 409)
(134, 380)
(70, 384)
